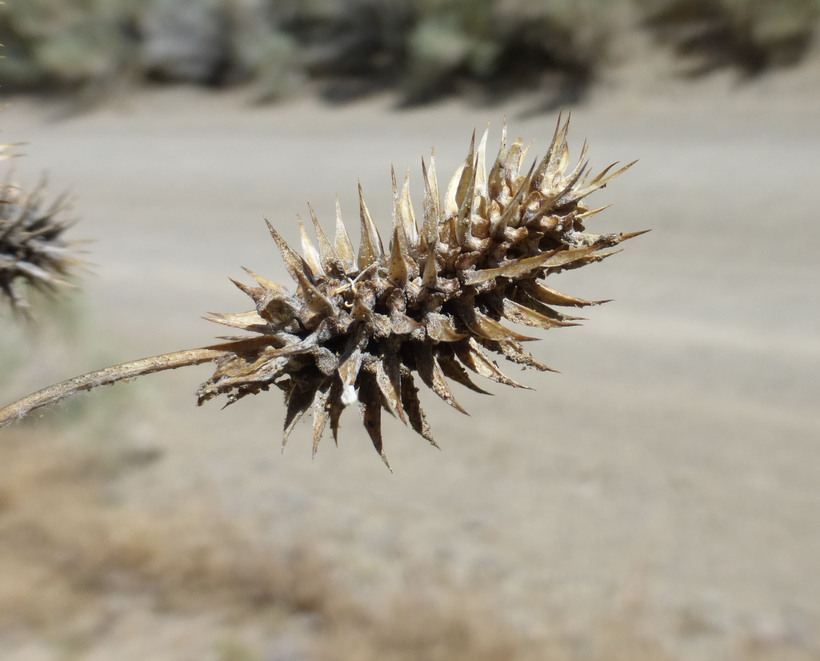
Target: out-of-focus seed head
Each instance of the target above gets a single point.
(365, 328)
(34, 254)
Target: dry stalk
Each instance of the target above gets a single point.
(106, 376)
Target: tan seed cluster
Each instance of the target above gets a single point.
(429, 308)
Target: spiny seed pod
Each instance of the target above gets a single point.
(368, 328)
(33, 253)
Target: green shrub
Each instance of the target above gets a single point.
(751, 35)
(66, 44)
(421, 48)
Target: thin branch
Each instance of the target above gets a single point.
(107, 376)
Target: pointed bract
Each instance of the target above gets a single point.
(312, 257)
(331, 262)
(343, 245)
(371, 250)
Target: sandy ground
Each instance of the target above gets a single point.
(671, 468)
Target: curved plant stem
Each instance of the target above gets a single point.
(106, 376)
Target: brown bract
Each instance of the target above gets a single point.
(369, 328)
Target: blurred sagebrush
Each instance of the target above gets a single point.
(66, 44)
(420, 48)
(750, 35)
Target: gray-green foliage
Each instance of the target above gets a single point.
(266, 53)
(750, 35)
(419, 47)
(449, 39)
(66, 43)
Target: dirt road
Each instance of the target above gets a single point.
(671, 468)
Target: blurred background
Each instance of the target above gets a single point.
(656, 500)
(419, 49)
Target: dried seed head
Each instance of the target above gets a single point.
(33, 253)
(365, 328)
